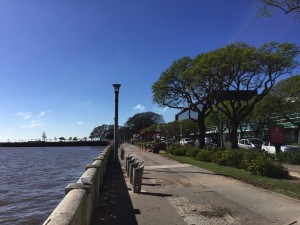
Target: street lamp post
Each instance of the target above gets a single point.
(116, 138)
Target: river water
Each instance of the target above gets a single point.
(32, 180)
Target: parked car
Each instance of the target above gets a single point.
(186, 141)
(209, 141)
(248, 143)
(270, 148)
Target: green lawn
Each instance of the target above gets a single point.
(289, 187)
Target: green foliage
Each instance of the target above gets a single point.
(188, 82)
(172, 148)
(266, 166)
(282, 186)
(249, 157)
(140, 121)
(192, 152)
(103, 131)
(205, 155)
(229, 157)
(180, 150)
(289, 157)
(259, 163)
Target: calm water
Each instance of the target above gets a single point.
(32, 180)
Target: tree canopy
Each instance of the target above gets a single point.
(245, 68)
(187, 85)
(141, 121)
(103, 131)
(197, 84)
(286, 99)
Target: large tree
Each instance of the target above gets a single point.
(187, 85)
(286, 99)
(245, 68)
(140, 121)
(197, 84)
(103, 131)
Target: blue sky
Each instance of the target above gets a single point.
(59, 58)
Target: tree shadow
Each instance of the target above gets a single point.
(152, 185)
(155, 194)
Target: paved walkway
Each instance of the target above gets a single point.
(180, 194)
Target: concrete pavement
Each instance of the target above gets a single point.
(180, 194)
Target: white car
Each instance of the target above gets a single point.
(270, 148)
(186, 141)
(253, 143)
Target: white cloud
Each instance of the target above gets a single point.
(41, 114)
(37, 122)
(80, 123)
(161, 110)
(33, 124)
(139, 107)
(24, 115)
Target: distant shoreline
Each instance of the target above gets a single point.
(53, 144)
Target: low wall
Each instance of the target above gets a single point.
(82, 198)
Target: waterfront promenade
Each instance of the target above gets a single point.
(178, 194)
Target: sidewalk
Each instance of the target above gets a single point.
(180, 194)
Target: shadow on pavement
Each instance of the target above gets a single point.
(155, 194)
(115, 205)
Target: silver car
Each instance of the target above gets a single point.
(186, 141)
(249, 143)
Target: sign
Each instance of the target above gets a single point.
(188, 113)
(276, 134)
(242, 95)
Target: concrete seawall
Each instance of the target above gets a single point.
(82, 198)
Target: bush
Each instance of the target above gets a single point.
(289, 157)
(172, 148)
(266, 166)
(248, 157)
(229, 157)
(255, 162)
(205, 155)
(192, 152)
(179, 151)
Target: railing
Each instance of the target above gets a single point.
(82, 198)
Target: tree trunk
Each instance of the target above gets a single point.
(233, 135)
(202, 128)
(257, 131)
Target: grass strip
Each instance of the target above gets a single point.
(289, 187)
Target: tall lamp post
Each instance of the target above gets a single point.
(116, 138)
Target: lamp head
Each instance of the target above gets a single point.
(117, 87)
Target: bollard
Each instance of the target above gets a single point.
(132, 167)
(130, 156)
(137, 178)
(122, 153)
(129, 163)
